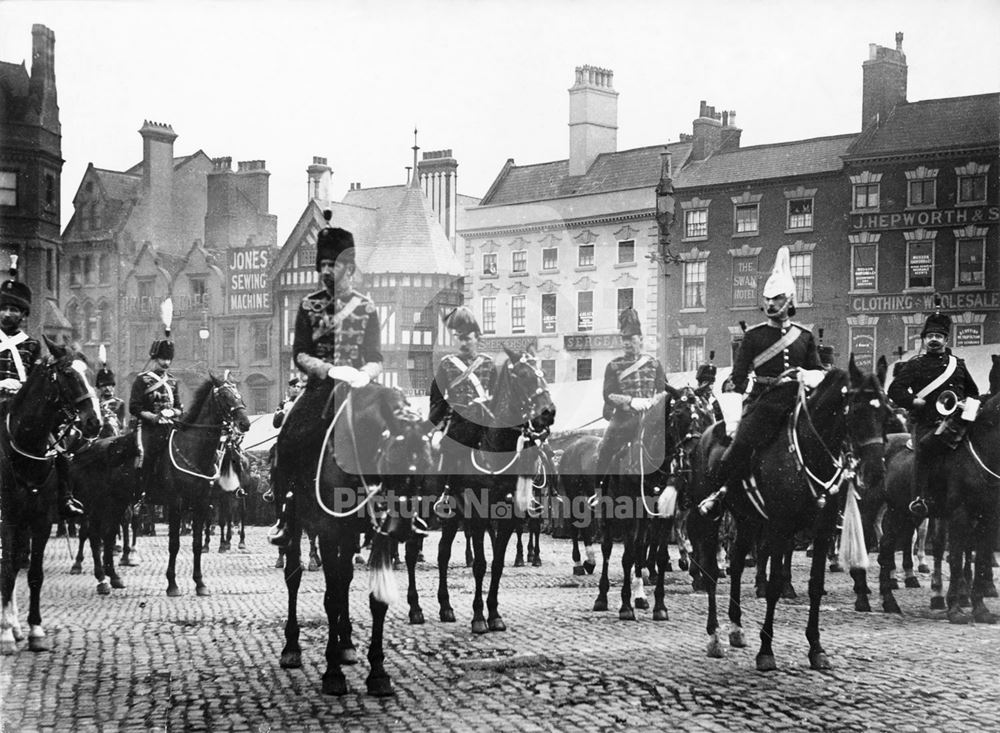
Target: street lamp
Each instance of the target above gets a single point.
(665, 203)
(203, 334)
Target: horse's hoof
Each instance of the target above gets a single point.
(923, 568)
(912, 582)
(714, 649)
(836, 568)
(642, 604)
(518, 562)
(18, 633)
(590, 567)
(601, 604)
(202, 590)
(127, 562)
(957, 616)
(279, 563)
(862, 604)
(765, 663)
(117, 583)
(668, 568)
(242, 545)
(788, 592)
(76, 569)
(761, 590)
(346, 656)
(964, 600)
(447, 616)
(290, 660)
(8, 647)
(893, 584)
(990, 591)
(736, 639)
(173, 591)
(416, 617)
(536, 562)
(379, 686)
(334, 685)
(578, 570)
(889, 604)
(819, 661)
(660, 614)
(479, 626)
(359, 559)
(103, 588)
(223, 548)
(313, 566)
(496, 624)
(983, 615)
(682, 564)
(38, 644)
(937, 603)
(626, 614)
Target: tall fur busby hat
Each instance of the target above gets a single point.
(707, 372)
(164, 348)
(463, 320)
(332, 242)
(105, 377)
(14, 292)
(628, 323)
(937, 322)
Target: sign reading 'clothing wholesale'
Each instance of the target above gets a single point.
(934, 218)
(249, 290)
(988, 300)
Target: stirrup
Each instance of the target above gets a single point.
(707, 505)
(278, 536)
(918, 507)
(71, 508)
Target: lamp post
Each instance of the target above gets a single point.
(665, 202)
(203, 334)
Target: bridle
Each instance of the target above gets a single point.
(526, 399)
(229, 432)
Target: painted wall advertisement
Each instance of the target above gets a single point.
(863, 346)
(744, 282)
(248, 286)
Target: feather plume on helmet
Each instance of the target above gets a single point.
(707, 372)
(105, 377)
(780, 282)
(937, 322)
(164, 348)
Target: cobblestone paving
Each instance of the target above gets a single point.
(138, 660)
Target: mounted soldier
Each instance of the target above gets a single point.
(940, 394)
(154, 402)
(112, 407)
(778, 352)
(337, 341)
(462, 388)
(19, 354)
(705, 377)
(295, 387)
(632, 382)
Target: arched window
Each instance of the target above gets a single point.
(73, 315)
(104, 322)
(104, 269)
(257, 396)
(89, 323)
(95, 215)
(75, 271)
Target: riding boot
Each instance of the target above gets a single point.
(69, 507)
(280, 534)
(925, 452)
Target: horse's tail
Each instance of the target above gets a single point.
(229, 479)
(381, 580)
(524, 493)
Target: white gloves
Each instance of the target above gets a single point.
(10, 385)
(811, 377)
(361, 380)
(641, 404)
(354, 377)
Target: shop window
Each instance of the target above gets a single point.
(584, 369)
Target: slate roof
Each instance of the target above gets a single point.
(952, 122)
(119, 186)
(758, 162)
(618, 171)
(379, 197)
(136, 170)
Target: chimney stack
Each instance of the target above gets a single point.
(712, 131)
(320, 177)
(158, 179)
(42, 84)
(253, 182)
(883, 81)
(593, 117)
(438, 171)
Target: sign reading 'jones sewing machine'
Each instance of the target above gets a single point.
(249, 289)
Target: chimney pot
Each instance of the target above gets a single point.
(899, 41)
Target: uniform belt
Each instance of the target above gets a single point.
(767, 380)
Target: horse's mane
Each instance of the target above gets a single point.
(830, 393)
(198, 400)
(989, 412)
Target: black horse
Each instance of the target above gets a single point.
(577, 467)
(32, 425)
(334, 477)
(793, 478)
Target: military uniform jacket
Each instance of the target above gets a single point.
(456, 389)
(622, 377)
(152, 392)
(768, 350)
(18, 355)
(340, 330)
(913, 375)
(113, 409)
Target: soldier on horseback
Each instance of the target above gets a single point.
(154, 402)
(777, 351)
(705, 391)
(917, 386)
(462, 388)
(631, 384)
(19, 353)
(112, 406)
(337, 340)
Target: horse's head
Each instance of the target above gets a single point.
(227, 403)
(527, 399)
(69, 389)
(406, 448)
(689, 417)
(867, 413)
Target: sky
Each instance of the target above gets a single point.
(349, 81)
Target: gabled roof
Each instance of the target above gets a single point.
(411, 240)
(14, 79)
(361, 222)
(118, 186)
(949, 123)
(759, 162)
(618, 171)
(380, 197)
(179, 161)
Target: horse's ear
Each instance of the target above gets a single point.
(510, 354)
(881, 369)
(55, 349)
(225, 376)
(852, 368)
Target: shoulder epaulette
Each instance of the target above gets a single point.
(799, 325)
(756, 325)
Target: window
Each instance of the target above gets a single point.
(625, 299)
(489, 315)
(259, 404)
(90, 323)
(626, 252)
(694, 284)
(970, 258)
(50, 270)
(586, 255)
(692, 353)
(73, 316)
(972, 189)
(75, 271)
(921, 193)
(8, 188)
(50, 189)
(548, 367)
(261, 352)
(104, 268)
(89, 271)
(144, 289)
(800, 214)
(199, 291)
(864, 267)
(920, 264)
(584, 369)
(550, 258)
(548, 312)
(95, 215)
(585, 311)
(912, 336)
(229, 344)
(747, 218)
(490, 264)
(104, 321)
(517, 307)
(696, 223)
(866, 196)
(519, 261)
(801, 265)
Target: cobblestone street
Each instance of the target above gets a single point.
(138, 660)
